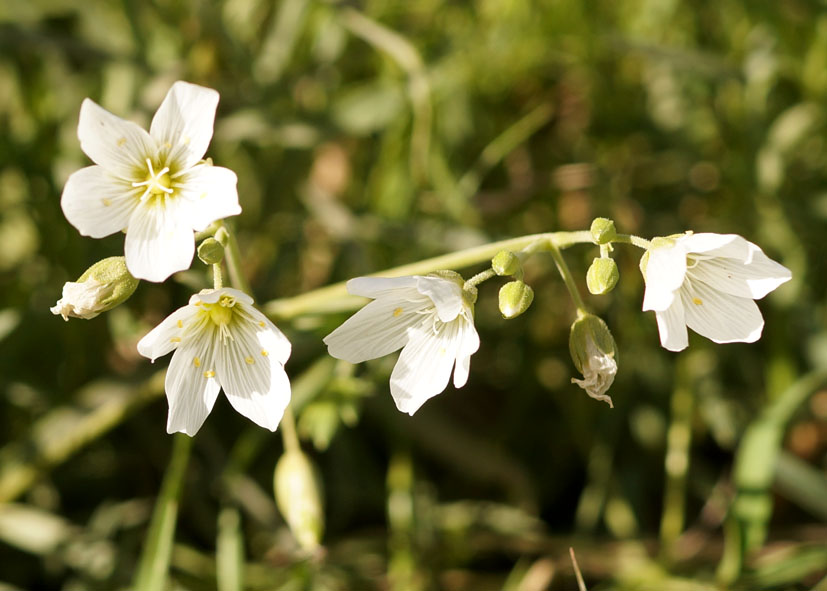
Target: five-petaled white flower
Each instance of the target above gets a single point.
(221, 341)
(154, 186)
(430, 318)
(708, 282)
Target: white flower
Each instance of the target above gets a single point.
(82, 300)
(102, 286)
(154, 186)
(708, 282)
(429, 318)
(594, 353)
(221, 341)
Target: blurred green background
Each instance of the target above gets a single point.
(371, 134)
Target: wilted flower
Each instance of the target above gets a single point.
(154, 186)
(102, 286)
(221, 341)
(708, 282)
(594, 353)
(430, 318)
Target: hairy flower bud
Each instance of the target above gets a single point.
(594, 353)
(506, 262)
(603, 230)
(515, 298)
(299, 498)
(602, 276)
(211, 252)
(102, 286)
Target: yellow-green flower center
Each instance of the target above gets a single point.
(156, 183)
(221, 312)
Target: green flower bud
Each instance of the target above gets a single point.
(298, 495)
(211, 252)
(102, 286)
(506, 262)
(603, 231)
(515, 298)
(602, 276)
(594, 353)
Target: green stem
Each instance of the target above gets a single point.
(563, 268)
(233, 258)
(217, 279)
(334, 298)
(633, 240)
(287, 427)
(154, 563)
(479, 278)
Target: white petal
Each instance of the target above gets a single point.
(665, 273)
(469, 343)
(672, 327)
(424, 366)
(751, 280)
(158, 242)
(373, 287)
(209, 194)
(97, 203)
(729, 245)
(211, 296)
(270, 338)
(183, 124)
(120, 146)
(191, 385)
(254, 382)
(166, 336)
(379, 328)
(445, 294)
(721, 317)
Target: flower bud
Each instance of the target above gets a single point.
(298, 496)
(506, 262)
(515, 298)
(603, 230)
(602, 276)
(594, 353)
(102, 286)
(211, 252)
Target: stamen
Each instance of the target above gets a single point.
(209, 374)
(697, 301)
(264, 353)
(196, 362)
(249, 360)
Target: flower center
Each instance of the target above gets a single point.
(221, 313)
(156, 183)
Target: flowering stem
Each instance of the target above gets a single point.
(233, 258)
(217, 280)
(334, 298)
(154, 563)
(479, 278)
(563, 268)
(287, 427)
(633, 240)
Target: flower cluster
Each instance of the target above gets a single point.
(157, 187)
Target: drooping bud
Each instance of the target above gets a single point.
(515, 298)
(102, 286)
(298, 495)
(506, 262)
(602, 276)
(211, 252)
(594, 353)
(603, 230)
